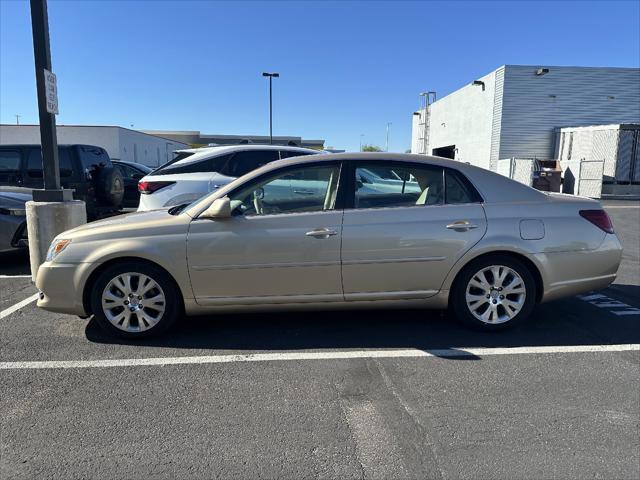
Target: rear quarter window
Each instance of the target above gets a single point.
(458, 189)
(217, 164)
(93, 157)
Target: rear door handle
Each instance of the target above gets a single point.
(461, 226)
(321, 233)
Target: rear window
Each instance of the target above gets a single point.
(247, 161)
(231, 165)
(293, 153)
(212, 164)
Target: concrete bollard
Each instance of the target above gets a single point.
(45, 220)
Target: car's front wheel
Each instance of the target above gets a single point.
(494, 292)
(135, 300)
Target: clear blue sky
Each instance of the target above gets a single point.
(347, 68)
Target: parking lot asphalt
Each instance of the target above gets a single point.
(243, 396)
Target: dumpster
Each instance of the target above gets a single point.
(543, 175)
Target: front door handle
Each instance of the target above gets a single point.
(461, 226)
(321, 233)
(304, 192)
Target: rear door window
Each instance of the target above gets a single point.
(34, 163)
(384, 185)
(9, 161)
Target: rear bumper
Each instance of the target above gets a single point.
(60, 288)
(571, 273)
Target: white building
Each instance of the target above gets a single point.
(120, 143)
(514, 111)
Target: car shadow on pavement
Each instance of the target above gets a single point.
(565, 322)
(15, 262)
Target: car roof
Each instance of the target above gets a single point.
(243, 147)
(208, 152)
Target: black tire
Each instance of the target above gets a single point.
(172, 300)
(462, 311)
(109, 186)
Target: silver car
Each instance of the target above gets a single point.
(465, 238)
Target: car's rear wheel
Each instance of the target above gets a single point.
(135, 300)
(493, 293)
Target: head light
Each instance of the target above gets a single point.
(56, 247)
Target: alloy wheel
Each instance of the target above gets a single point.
(495, 294)
(133, 302)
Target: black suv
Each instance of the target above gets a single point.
(86, 169)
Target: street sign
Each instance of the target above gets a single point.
(51, 90)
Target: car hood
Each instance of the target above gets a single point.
(136, 224)
(14, 202)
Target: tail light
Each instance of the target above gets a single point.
(599, 218)
(150, 187)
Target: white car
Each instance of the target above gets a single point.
(189, 177)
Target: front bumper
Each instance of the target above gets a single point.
(61, 288)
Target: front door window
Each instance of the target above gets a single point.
(308, 189)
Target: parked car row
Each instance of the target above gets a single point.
(105, 186)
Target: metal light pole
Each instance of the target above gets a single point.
(386, 149)
(361, 135)
(271, 76)
(18, 119)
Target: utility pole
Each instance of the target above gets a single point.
(361, 135)
(53, 209)
(18, 119)
(42, 54)
(386, 149)
(271, 77)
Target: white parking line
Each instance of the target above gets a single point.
(295, 356)
(608, 207)
(15, 276)
(18, 306)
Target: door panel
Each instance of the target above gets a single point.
(405, 252)
(263, 258)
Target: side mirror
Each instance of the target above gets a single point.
(220, 208)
